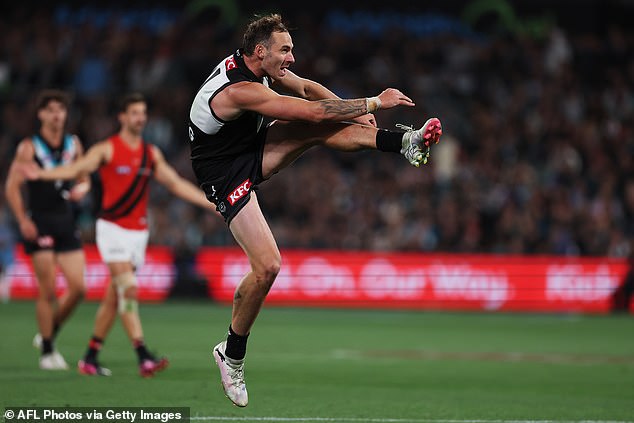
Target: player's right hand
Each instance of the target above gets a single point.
(392, 97)
(28, 229)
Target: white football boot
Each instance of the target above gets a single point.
(231, 376)
(53, 361)
(417, 143)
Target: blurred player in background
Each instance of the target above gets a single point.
(125, 163)
(47, 220)
(233, 150)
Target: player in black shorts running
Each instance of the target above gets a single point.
(47, 221)
(233, 149)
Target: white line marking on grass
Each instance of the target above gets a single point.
(385, 420)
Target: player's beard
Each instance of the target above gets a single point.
(137, 129)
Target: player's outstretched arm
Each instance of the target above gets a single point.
(256, 97)
(88, 163)
(312, 90)
(302, 87)
(176, 184)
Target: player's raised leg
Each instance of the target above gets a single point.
(286, 141)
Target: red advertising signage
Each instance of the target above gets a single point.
(425, 281)
(359, 279)
(155, 278)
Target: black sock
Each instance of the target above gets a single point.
(94, 346)
(141, 351)
(389, 141)
(47, 346)
(236, 345)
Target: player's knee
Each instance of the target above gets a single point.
(125, 285)
(48, 296)
(124, 281)
(273, 269)
(130, 293)
(269, 271)
(77, 291)
(46, 289)
(78, 294)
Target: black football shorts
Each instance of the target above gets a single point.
(228, 184)
(55, 232)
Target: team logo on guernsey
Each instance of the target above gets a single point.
(239, 192)
(123, 170)
(230, 63)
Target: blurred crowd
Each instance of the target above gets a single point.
(537, 155)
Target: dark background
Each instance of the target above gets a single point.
(536, 99)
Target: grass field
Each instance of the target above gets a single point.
(345, 365)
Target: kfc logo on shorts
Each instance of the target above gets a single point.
(230, 63)
(239, 192)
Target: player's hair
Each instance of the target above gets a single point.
(131, 98)
(46, 96)
(259, 31)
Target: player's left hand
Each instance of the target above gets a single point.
(392, 97)
(367, 119)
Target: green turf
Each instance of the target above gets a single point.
(349, 364)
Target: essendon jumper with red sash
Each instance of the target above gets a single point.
(125, 182)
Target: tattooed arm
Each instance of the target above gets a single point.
(311, 90)
(236, 98)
